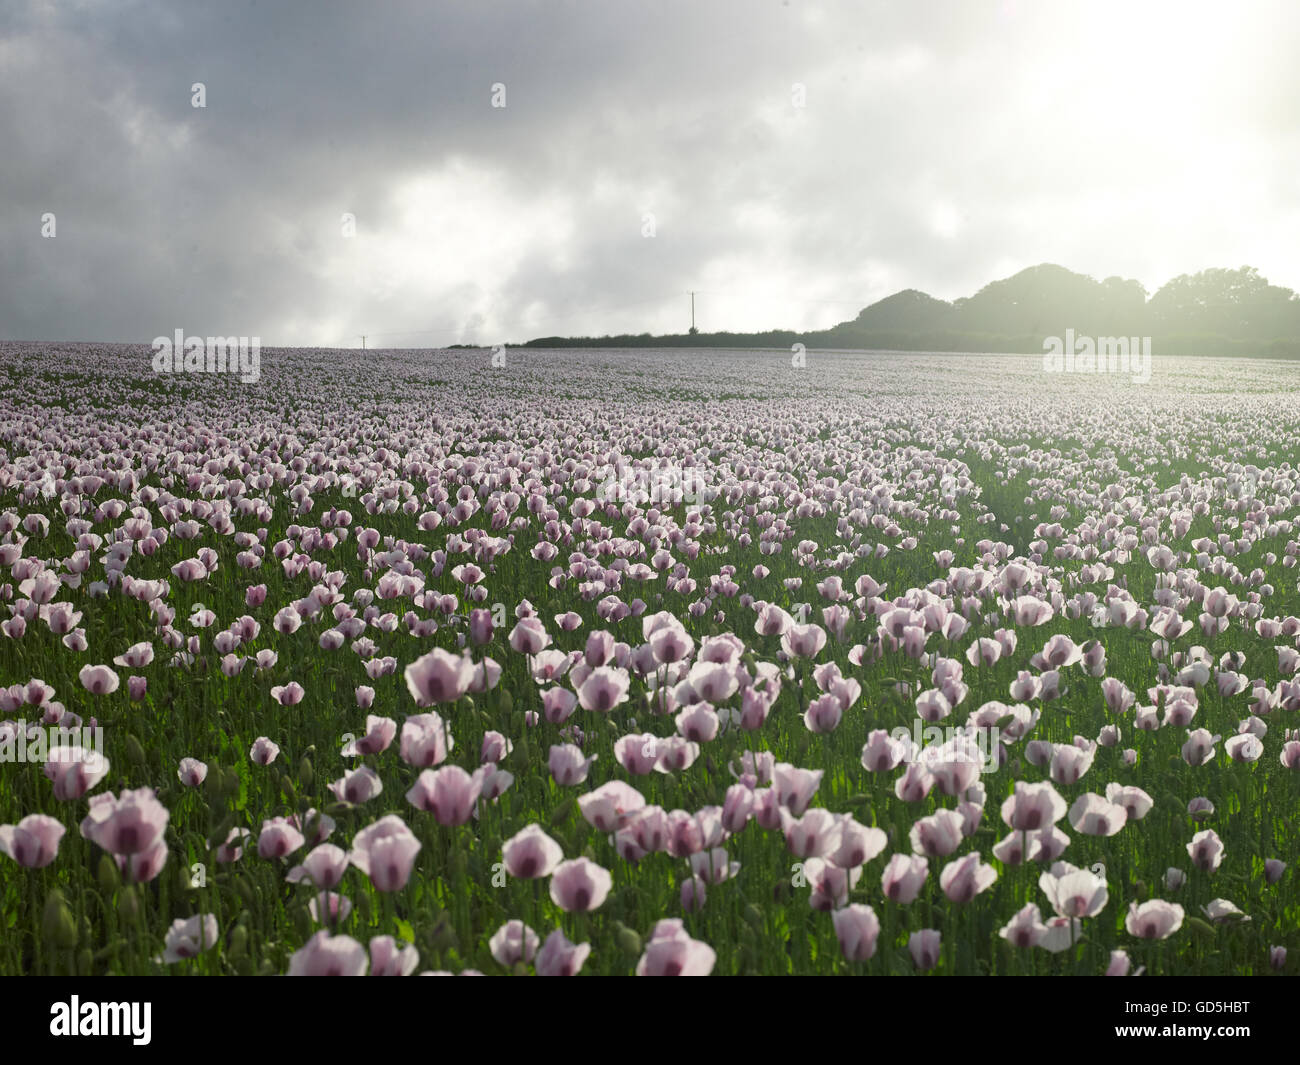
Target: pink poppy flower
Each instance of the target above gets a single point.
(580, 885)
(530, 854)
(326, 955)
(439, 677)
(559, 957)
(449, 793)
(386, 851)
(857, 928)
(671, 952)
(33, 842)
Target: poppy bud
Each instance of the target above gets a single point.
(108, 876)
(231, 783)
(58, 924)
(215, 781)
(245, 891)
(561, 812)
(628, 941)
(128, 904)
(219, 834)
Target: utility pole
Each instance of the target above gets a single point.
(363, 341)
(693, 329)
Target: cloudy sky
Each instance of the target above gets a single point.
(792, 161)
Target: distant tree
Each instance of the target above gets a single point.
(1216, 311)
(1230, 303)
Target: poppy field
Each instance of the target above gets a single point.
(647, 663)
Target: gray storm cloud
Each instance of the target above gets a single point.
(793, 161)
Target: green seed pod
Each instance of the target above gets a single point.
(218, 835)
(134, 752)
(128, 904)
(306, 774)
(229, 785)
(561, 812)
(445, 938)
(338, 809)
(58, 924)
(215, 782)
(467, 704)
(628, 941)
(505, 700)
(290, 792)
(108, 876)
(245, 891)
(754, 917)
(311, 825)
(238, 942)
(267, 968)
